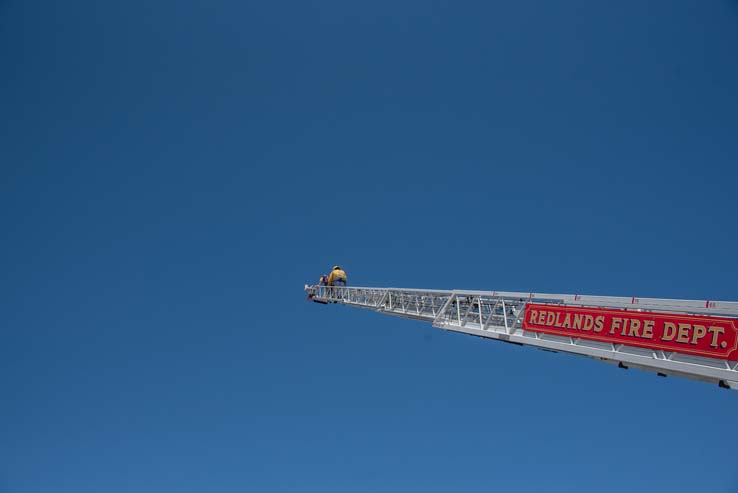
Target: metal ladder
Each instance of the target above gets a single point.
(499, 315)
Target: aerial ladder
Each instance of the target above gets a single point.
(696, 339)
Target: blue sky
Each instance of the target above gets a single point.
(174, 172)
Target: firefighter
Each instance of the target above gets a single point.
(322, 284)
(337, 277)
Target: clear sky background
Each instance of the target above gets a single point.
(173, 172)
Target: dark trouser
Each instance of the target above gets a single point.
(338, 283)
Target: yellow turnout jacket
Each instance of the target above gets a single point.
(336, 274)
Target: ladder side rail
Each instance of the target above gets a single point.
(657, 304)
(729, 308)
(713, 374)
(413, 296)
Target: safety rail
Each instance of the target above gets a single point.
(499, 315)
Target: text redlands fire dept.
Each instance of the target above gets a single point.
(715, 337)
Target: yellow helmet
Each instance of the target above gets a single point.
(335, 267)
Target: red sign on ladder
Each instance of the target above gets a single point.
(715, 337)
